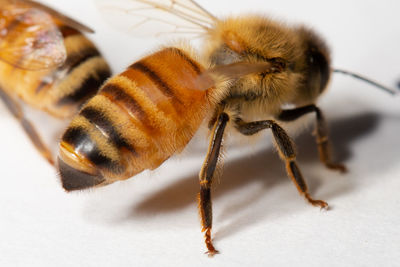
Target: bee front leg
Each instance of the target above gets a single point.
(286, 151)
(321, 131)
(206, 176)
(16, 110)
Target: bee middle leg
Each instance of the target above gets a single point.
(17, 112)
(206, 176)
(321, 131)
(286, 151)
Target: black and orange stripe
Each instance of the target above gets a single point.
(81, 57)
(85, 90)
(79, 138)
(147, 113)
(118, 95)
(194, 65)
(105, 125)
(59, 91)
(153, 76)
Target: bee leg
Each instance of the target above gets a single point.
(16, 110)
(286, 151)
(321, 131)
(206, 176)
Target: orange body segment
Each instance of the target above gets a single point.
(148, 112)
(46, 63)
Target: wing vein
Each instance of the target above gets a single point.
(157, 17)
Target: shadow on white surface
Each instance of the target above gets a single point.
(257, 184)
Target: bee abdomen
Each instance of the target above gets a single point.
(117, 95)
(163, 87)
(87, 86)
(78, 79)
(106, 127)
(85, 70)
(141, 117)
(86, 147)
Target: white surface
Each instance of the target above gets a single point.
(259, 218)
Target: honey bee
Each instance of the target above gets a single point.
(46, 62)
(251, 68)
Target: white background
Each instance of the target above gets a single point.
(259, 218)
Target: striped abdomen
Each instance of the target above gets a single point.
(62, 90)
(136, 121)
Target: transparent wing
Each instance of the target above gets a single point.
(29, 38)
(157, 17)
(61, 17)
(233, 71)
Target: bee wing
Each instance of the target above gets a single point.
(57, 15)
(29, 38)
(157, 17)
(232, 71)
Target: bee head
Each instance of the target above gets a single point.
(317, 63)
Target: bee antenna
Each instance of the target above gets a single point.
(357, 76)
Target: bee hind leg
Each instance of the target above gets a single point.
(286, 151)
(206, 175)
(30, 130)
(321, 133)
